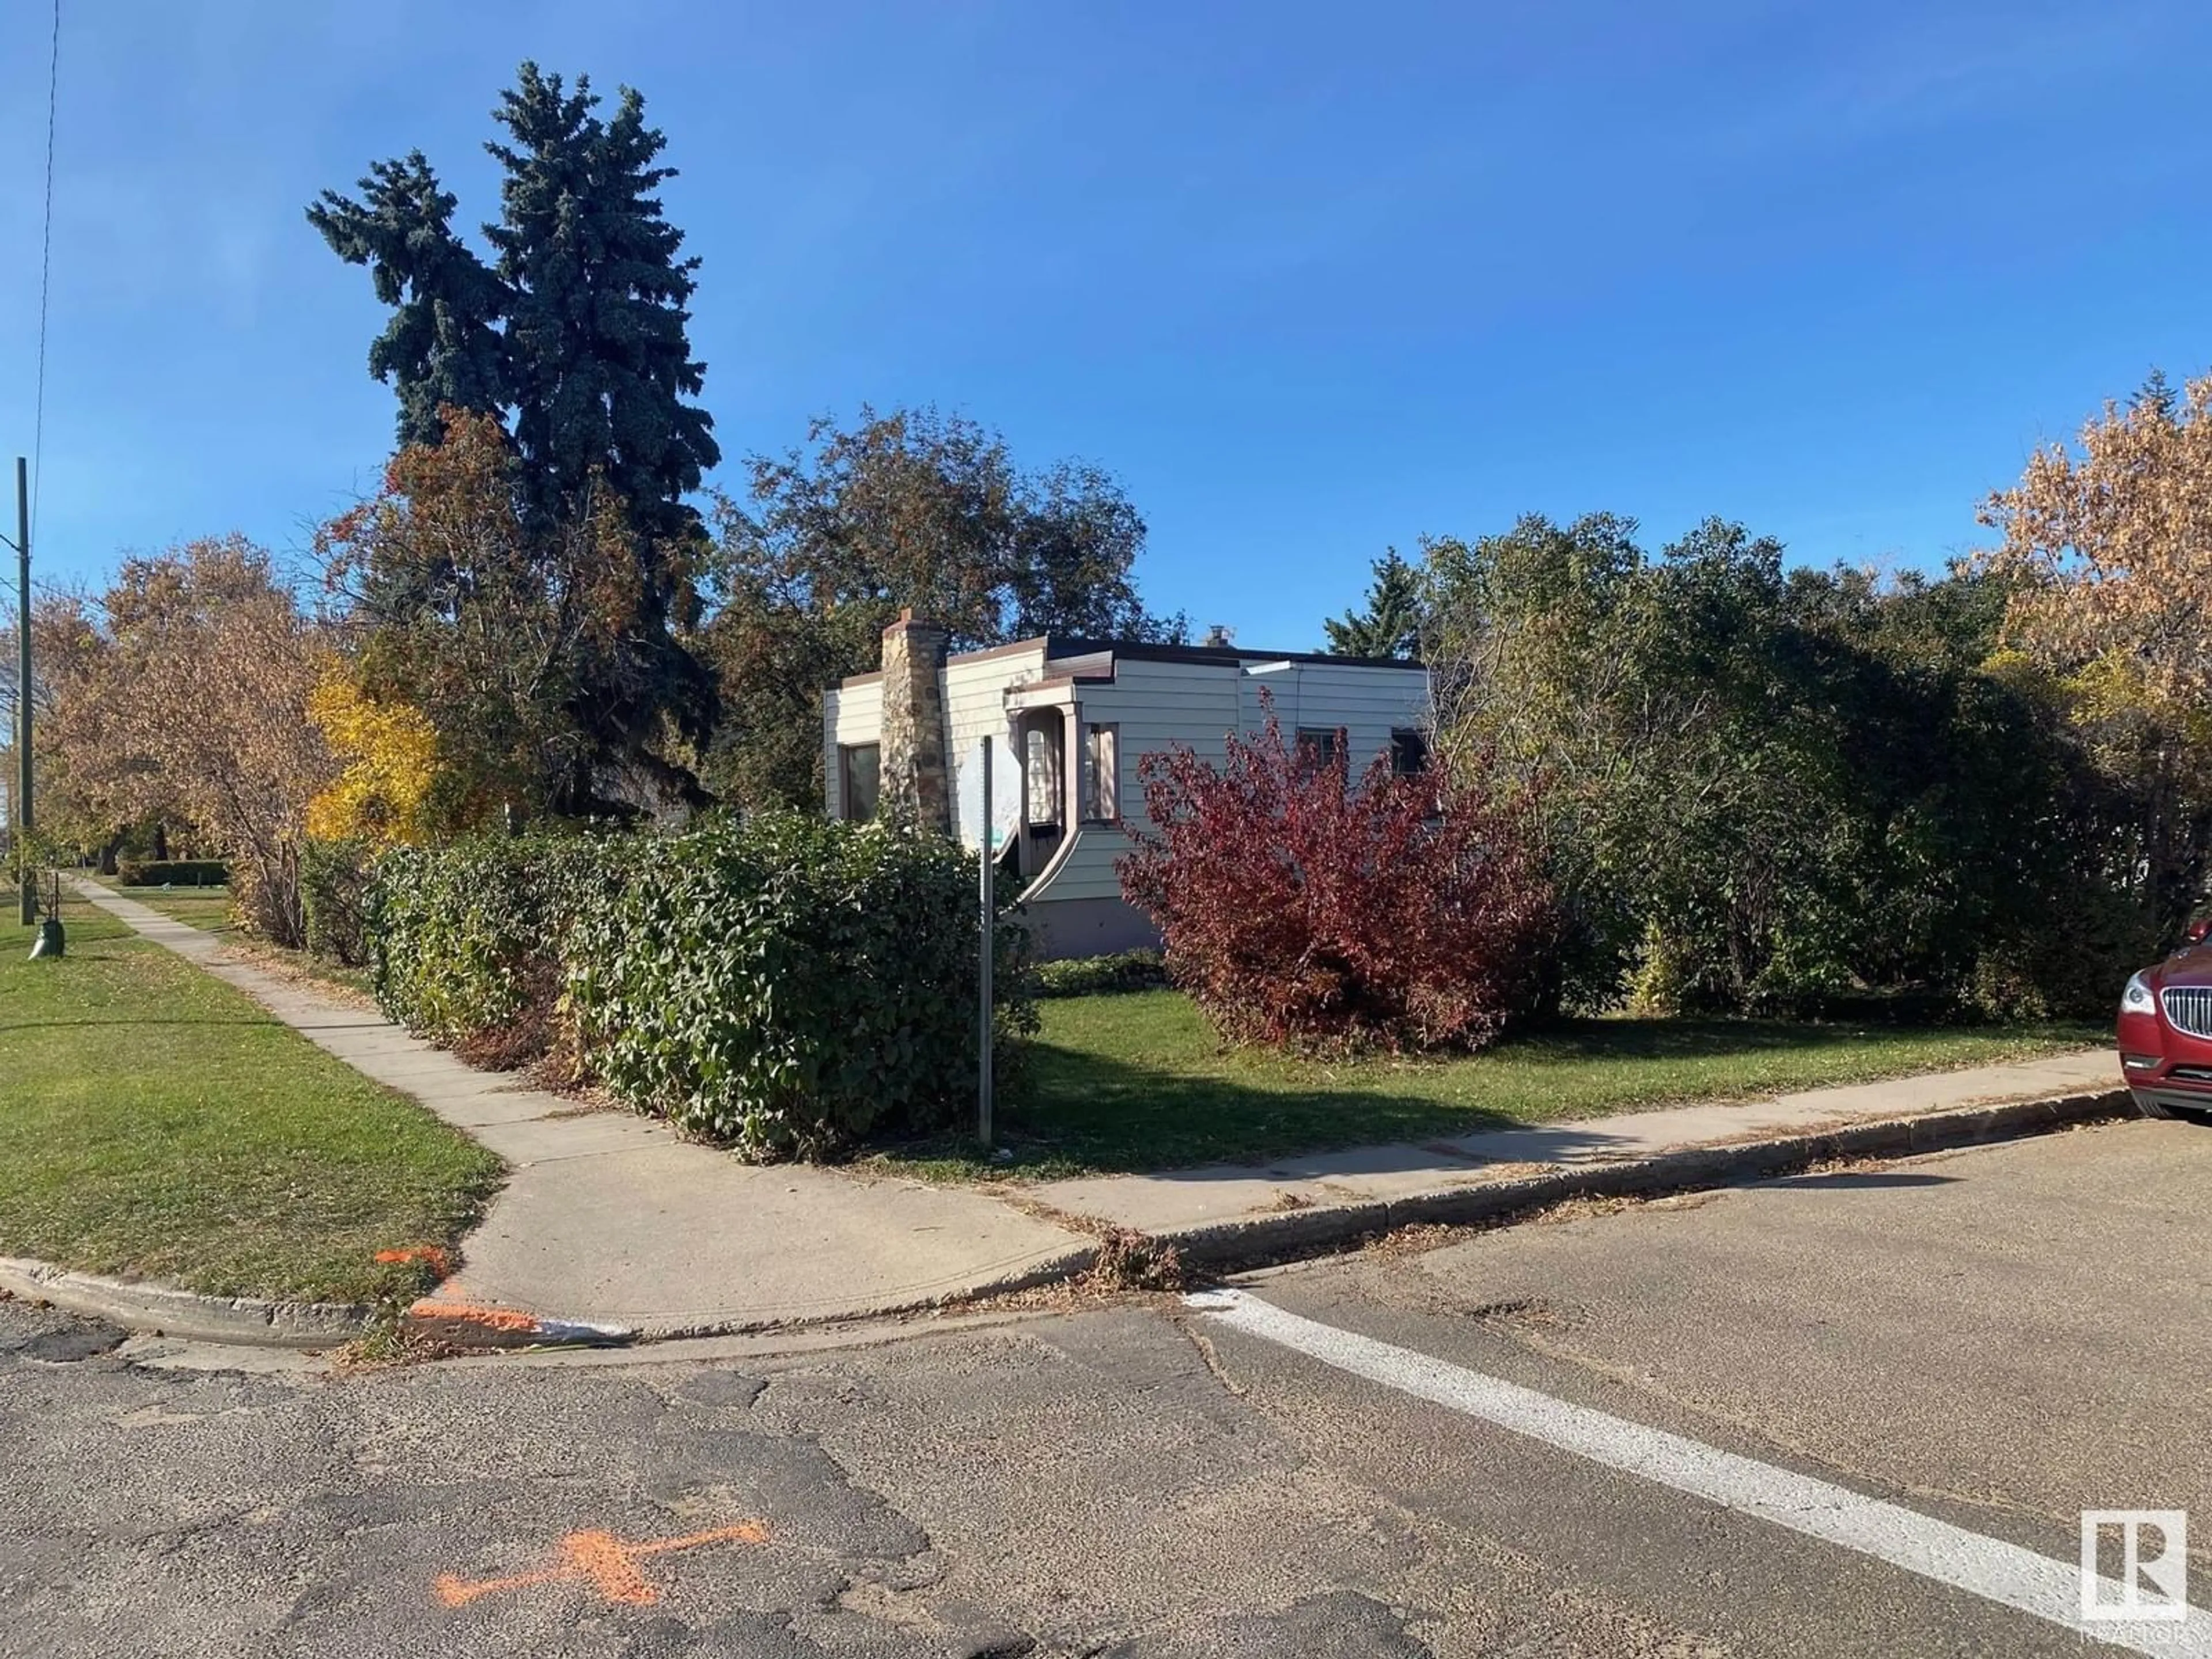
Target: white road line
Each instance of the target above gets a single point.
(1986, 1567)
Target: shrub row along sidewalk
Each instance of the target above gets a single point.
(788, 987)
(155, 1123)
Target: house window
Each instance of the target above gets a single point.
(1102, 773)
(1409, 752)
(1317, 745)
(1041, 776)
(859, 767)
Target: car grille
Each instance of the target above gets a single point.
(2189, 1008)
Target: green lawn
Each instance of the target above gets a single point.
(1139, 1082)
(156, 1122)
(209, 909)
(206, 908)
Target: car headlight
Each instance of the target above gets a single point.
(2136, 998)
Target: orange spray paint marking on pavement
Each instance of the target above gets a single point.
(468, 1313)
(604, 1561)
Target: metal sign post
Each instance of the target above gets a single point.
(986, 823)
(987, 932)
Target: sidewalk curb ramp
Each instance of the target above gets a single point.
(449, 1313)
(464, 1324)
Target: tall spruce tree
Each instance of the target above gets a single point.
(1390, 626)
(442, 345)
(599, 365)
(595, 296)
(575, 334)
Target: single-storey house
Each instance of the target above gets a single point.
(1071, 720)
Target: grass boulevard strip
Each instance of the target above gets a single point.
(1137, 1081)
(162, 1125)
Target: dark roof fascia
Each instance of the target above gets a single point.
(1085, 659)
(1223, 656)
(1011, 648)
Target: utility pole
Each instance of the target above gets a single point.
(30, 875)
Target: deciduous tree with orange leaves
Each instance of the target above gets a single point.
(2110, 542)
(503, 633)
(183, 695)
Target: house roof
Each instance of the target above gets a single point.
(1061, 650)
(1057, 646)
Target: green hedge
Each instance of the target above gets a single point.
(789, 986)
(465, 942)
(1087, 976)
(172, 873)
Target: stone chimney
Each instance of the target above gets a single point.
(916, 783)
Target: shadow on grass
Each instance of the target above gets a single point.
(1085, 1111)
(1578, 1042)
(1084, 1114)
(1115, 1116)
(130, 1024)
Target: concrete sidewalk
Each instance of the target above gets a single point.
(607, 1218)
(1336, 1194)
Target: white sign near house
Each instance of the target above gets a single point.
(968, 794)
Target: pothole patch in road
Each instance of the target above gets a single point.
(40, 1331)
(66, 1347)
(719, 1387)
(1531, 1312)
(1333, 1622)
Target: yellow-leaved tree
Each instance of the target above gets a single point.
(2110, 542)
(386, 792)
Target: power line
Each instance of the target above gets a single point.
(46, 269)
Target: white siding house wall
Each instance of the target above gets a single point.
(850, 715)
(976, 705)
(1154, 705)
(1368, 703)
(1157, 705)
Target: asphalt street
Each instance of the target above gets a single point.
(1986, 1342)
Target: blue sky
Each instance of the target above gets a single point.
(1310, 279)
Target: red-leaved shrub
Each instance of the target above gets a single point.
(1298, 909)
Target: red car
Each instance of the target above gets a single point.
(2165, 1033)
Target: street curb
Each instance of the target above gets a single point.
(480, 1327)
(168, 1310)
(1072, 1262)
(474, 1326)
(1255, 1241)
(1268, 1239)
(151, 1309)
